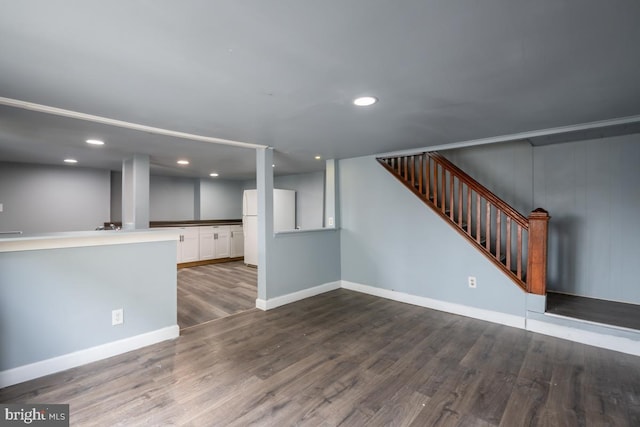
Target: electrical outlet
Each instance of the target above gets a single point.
(1, 207)
(330, 221)
(117, 317)
(472, 282)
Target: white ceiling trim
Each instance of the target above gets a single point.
(122, 124)
(520, 136)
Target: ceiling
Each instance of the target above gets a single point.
(283, 73)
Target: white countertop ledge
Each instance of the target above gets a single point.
(76, 239)
(302, 231)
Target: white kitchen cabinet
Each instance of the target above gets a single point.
(221, 236)
(237, 241)
(189, 244)
(207, 243)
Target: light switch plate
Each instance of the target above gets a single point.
(0, 207)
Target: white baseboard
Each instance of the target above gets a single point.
(449, 307)
(81, 357)
(296, 296)
(611, 342)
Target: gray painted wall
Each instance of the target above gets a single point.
(309, 188)
(590, 189)
(592, 192)
(42, 199)
(302, 260)
(64, 305)
(506, 169)
(294, 261)
(220, 199)
(116, 196)
(391, 240)
(171, 198)
(174, 198)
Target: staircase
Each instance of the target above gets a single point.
(515, 244)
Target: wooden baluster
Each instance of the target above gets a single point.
(508, 248)
(404, 161)
(427, 175)
(460, 202)
(478, 218)
(413, 172)
(443, 195)
(420, 161)
(451, 195)
(469, 191)
(519, 253)
(435, 182)
(537, 254)
(498, 232)
(487, 235)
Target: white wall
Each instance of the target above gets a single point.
(42, 199)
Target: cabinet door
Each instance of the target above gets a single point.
(190, 244)
(221, 238)
(207, 246)
(237, 243)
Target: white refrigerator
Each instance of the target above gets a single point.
(284, 218)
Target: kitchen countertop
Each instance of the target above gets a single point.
(185, 223)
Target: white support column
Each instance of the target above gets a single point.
(264, 184)
(135, 192)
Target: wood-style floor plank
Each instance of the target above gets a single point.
(344, 358)
(213, 291)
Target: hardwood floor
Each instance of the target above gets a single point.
(594, 310)
(344, 358)
(213, 291)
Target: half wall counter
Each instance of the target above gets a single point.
(58, 292)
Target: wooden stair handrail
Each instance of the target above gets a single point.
(406, 168)
(482, 190)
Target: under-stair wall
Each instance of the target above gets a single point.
(391, 242)
(516, 244)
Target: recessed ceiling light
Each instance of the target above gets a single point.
(95, 142)
(183, 162)
(317, 157)
(273, 166)
(70, 161)
(365, 101)
(213, 174)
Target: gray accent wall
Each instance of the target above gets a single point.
(592, 192)
(56, 302)
(506, 169)
(291, 261)
(303, 259)
(176, 198)
(171, 198)
(309, 188)
(220, 199)
(42, 199)
(391, 240)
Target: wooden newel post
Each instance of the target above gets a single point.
(537, 256)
